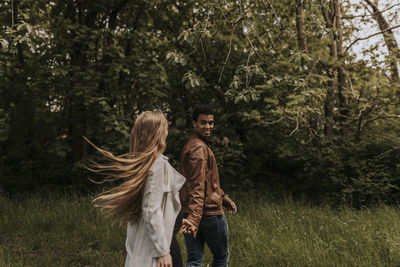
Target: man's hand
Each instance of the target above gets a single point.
(165, 261)
(188, 228)
(230, 205)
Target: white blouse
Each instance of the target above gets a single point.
(150, 236)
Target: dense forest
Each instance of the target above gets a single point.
(298, 109)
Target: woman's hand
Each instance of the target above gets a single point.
(165, 261)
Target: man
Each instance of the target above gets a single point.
(201, 196)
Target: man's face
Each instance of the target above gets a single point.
(204, 124)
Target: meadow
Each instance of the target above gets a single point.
(61, 230)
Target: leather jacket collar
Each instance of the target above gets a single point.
(202, 138)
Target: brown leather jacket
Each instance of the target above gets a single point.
(201, 193)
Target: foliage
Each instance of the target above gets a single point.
(87, 68)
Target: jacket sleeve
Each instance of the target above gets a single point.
(151, 210)
(226, 200)
(196, 166)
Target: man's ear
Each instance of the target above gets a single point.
(194, 124)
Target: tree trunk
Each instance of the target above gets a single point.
(76, 115)
(390, 40)
(301, 37)
(342, 77)
(337, 88)
(330, 102)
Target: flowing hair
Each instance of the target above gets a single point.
(147, 142)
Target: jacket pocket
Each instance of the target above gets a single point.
(214, 200)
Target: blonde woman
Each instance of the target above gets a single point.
(148, 197)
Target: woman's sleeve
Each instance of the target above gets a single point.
(151, 209)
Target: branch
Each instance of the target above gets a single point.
(229, 53)
(204, 55)
(252, 46)
(12, 14)
(247, 69)
(297, 122)
(273, 10)
(377, 118)
(372, 14)
(201, 43)
(312, 133)
(266, 123)
(239, 19)
(223, 14)
(365, 38)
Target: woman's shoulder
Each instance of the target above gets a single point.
(160, 162)
(162, 156)
(161, 159)
(172, 179)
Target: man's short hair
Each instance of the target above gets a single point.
(202, 109)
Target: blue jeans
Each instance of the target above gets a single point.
(213, 230)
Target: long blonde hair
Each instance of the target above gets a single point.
(147, 142)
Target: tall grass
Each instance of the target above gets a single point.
(58, 230)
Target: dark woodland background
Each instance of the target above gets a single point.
(297, 112)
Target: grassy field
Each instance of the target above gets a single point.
(56, 230)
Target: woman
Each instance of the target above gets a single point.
(148, 198)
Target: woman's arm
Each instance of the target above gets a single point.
(164, 261)
(151, 209)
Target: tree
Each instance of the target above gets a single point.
(295, 111)
(300, 25)
(389, 38)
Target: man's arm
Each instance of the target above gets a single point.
(228, 203)
(196, 163)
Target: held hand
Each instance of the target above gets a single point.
(232, 209)
(187, 227)
(165, 261)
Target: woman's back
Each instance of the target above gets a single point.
(150, 236)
